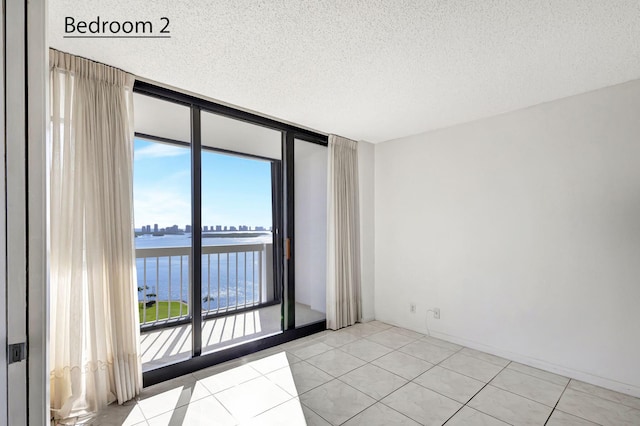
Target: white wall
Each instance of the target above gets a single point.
(524, 229)
(366, 177)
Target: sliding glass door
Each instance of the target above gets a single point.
(230, 231)
(207, 193)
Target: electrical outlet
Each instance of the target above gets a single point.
(436, 313)
(412, 308)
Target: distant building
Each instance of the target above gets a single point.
(206, 228)
(233, 228)
(155, 227)
(218, 228)
(187, 228)
(173, 230)
(260, 228)
(225, 228)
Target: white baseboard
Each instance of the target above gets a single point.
(614, 385)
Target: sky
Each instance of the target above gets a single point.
(235, 190)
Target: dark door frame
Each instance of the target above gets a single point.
(283, 230)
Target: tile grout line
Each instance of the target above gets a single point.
(262, 412)
(521, 396)
(224, 406)
(505, 390)
(538, 377)
(419, 359)
(388, 406)
(347, 384)
(309, 390)
(356, 341)
(491, 355)
(260, 375)
(385, 369)
(409, 381)
(377, 399)
(518, 371)
(299, 395)
(333, 378)
(604, 399)
(588, 394)
(367, 363)
(196, 400)
(558, 401)
(516, 394)
(465, 375)
(357, 390)
(581, 418)
(462, 374)
(314, 411)
(483, 360)
(391, 408)
(474, 395)
(402, 414)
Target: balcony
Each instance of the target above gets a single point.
(233, 277)
(239, 302)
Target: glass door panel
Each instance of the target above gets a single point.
(240, 301)
(310, 213)
(211, 196)
(162, 205)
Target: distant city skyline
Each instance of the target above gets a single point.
(205, 228)
(235, 190)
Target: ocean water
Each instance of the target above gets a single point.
(227, 278)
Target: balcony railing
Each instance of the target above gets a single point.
(233, 277)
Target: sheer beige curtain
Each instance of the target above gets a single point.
(94, 325)
(343, 234)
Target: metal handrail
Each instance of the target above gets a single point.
(185, 251)
(256, 254)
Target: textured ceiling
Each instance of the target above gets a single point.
(371, 70)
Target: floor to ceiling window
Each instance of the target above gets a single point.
(214, 208)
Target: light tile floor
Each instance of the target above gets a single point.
(373, 374)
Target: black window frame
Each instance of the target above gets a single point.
(283, 231)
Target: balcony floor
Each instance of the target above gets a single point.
(173, 344)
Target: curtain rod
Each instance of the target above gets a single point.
(203, 97)
(94, 61)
